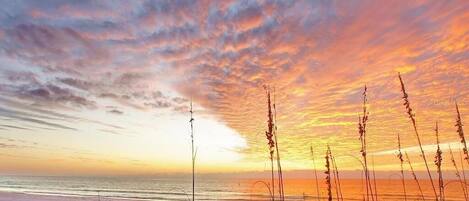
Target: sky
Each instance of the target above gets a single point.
(104, 87)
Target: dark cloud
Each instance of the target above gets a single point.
(179, 100)
(21, 117)
(37, 93)
(41, 113)
(173, 34)
(14, 127)
(77, 83)
(46, 115)
(142, 99)
(158, 104)
(181, 109)
(52, 95)
(108, 95)
(115, 111)
(110, 131)
(52, 47)
(21, 76)
(157, 94)
(129, 82)
(7, 146)
(245, 14)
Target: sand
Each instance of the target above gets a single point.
(14, 196)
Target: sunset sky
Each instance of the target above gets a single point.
(104, 87)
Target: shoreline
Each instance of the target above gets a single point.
(23, 196)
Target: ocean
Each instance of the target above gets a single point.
(153, 188)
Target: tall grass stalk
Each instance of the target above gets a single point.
(438, 160)
(336, 183)
(328, 174)
(279, 165)
(414, 176)
(362, 122)
(362, 173)
(265, 184)
(374, 176)
(401, 159)
(270, 142)
(337, 178)
(411, 115)
(463, 170)
(460, 131)
(458, 175)
(315, 174)
(194, 153)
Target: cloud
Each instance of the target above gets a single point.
(115, 111)
(427, 148)
(18, 116)
(179, 100)
(16, 108)
(143, 99)
(158, 104)
(7, 146)
(152, 56)
(77, 83)
(52, 47)
(51, 95)
(132, 79)
(14, 127)
(15, 76)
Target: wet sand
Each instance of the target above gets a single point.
(16, 196)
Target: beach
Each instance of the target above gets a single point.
(17, 196)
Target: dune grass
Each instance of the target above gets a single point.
(279, 164)
(369, 181)
(194, 152)
(460, 131)
(270, 141)
(328, 173)
(401, 160)
(438, 161)
(315, 174)
(458, 174)
(411, 116)
(414, 176)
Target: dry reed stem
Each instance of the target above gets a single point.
(279, 166)
(336, 183)
(411, 115)
(328, 174)
(463, 170)
(193, 152)
(438, 160)
(401, 159)
(337, 178)
(265, 184)
(458, 175)
(460, 131)
(362, 173)
(315, 174)
(414, 176)
(270, 142)
(362, 122)
(374, 177)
